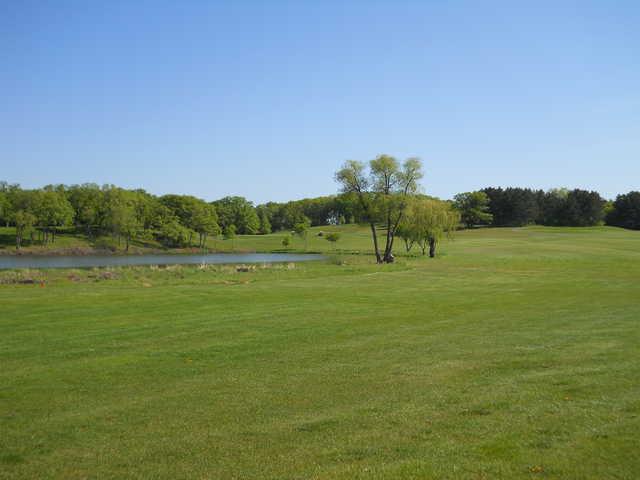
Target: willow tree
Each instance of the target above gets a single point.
(383, 191)
(426, 222)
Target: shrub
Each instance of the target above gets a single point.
(106, 243)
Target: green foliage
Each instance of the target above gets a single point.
(625, 211)
(473, 208)
(302, 230)
(514, 207)
(265, 223)
(193, 214)
(558, 207)
(376, 193)
(5, 208)
(427, 221)
(572, 208)
(51, 209)
(173, 234)
(88, 202)
(333, 238)
(24, 222)
(383, 193)
(286, 241)
(284, 216)
(240, 212)
(229, 232)
(108, 244)
(121, 214)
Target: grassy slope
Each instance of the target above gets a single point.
(354, 239)
(513, 355)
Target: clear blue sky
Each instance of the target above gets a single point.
(267, 99)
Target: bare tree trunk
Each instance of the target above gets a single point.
(387, 246)
(375, 242)
(392, 227)
(432, 247)
(390, 257)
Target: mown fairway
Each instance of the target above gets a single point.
(515, 354)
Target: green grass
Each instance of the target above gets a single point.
(354, 239)
(512, 355)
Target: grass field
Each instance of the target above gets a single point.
(514, 354)
(353, 240)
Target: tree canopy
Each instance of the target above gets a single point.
(382, 188)
(625, 211)
(474, 208)
(377, 193)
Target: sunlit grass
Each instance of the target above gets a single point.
(514, 354)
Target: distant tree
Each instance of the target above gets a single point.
(121, 215)
(205, 222)
(302, 230)
(349, 209)
(229, 233)
(333, 238)
(287, 215)
(553, 206)
(573, 208)
(625, 211)
(240, 212)
(23, 205)
(585, 208)
(286, 241)
(24, 222)
(194, 214)
(473, 208)
(265, 223)
(52, 210)
(407, 233)
(172, 234)
(513, 207)
(382, 193)
(148, 209)
(427, 221)
(329, 210)
(5, 208)
(88, 203)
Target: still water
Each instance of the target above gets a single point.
(38, 261)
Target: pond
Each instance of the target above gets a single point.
(84, 261)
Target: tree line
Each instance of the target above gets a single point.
(173, 220)
(382, 193)
(516, 207)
